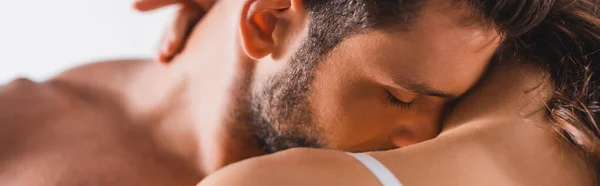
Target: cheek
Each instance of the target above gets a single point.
(355, 116)
(342, 110)
(349, 117)
(335, 101)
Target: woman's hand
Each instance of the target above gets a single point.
(175, 36)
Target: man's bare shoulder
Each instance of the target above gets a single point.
(24, 102)
(55, 128)
(107, 75)
(23, 97)
(26, 106)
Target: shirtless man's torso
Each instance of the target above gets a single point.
(99, 125)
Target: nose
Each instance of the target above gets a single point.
(403, 137)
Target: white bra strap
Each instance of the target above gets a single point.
(385, 176)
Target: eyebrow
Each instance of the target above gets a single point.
(427, 90)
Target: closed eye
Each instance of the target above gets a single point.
(395, 102)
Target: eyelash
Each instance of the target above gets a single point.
(397, 103)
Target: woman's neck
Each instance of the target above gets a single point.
(506, 113)
(510, 90)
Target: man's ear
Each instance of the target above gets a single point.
(257, 23)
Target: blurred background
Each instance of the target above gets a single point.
(40, 38)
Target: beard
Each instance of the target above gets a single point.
(281, 113)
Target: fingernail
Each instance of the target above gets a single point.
(164, 49)
(137, 4)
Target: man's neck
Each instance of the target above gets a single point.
(196, 98)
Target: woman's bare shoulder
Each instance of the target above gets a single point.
(458, 158)
(489, 152)
(412, 166)
(296, 167)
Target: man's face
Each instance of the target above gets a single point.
(375, 90)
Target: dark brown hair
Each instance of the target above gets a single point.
(562, 36)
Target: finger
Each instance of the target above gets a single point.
(176, 37)
(160, 57)
(147, 5)
(205, 4)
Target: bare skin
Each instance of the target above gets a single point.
(106, 123)
(495, 136)
(140, 123)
